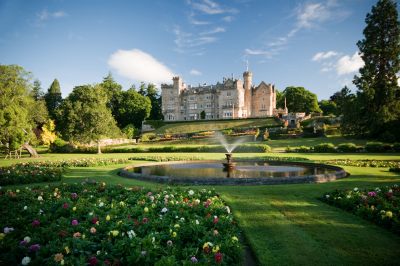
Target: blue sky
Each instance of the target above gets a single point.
(311, 44)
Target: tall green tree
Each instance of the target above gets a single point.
(16, 108)
(348, 105)
(113, 90)
(155, 99)
(53, 98)
(280, 99)
(37, 92)
(298, 99)
(84, 117)
(378, 92)
(328, 107)
(133, 108)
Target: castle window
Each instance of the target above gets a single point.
(263, 99)
(191, 99)
(201, 106)
(171, 92)
(228, 94)
(171, 99)
(263, 92)
(212, 105)
(171, 107)
(217, 105)
(217, 97)
(184, 100)
(217, 115)
(208, 105)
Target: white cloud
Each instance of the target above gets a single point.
(195, 22)
(211, 8)
(267, 54)
(347, 65)
(228, 18)
(212, 31)
(195, 72)
(59, 14)
(320, 56)
(182, 39)
(325, 69)
(140, 66)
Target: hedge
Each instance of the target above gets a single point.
(325, 147)
(347, 147)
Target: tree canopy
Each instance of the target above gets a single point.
(84, 117)
(298, 99)
(328, 107)
(378, 94)
(53, 97)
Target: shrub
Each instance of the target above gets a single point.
(203, 115)
(303, 149)
(333, 131)
(374, 147)
(266, 135)
(387, 137)
(163, 149)
(288, 149)
(131, 131)
(123, 150)
(396, 147)
(259, 148)
(308, 129)
(226, 131)
(306, 122)
(155, 123)
(347, 147)
(325, 147)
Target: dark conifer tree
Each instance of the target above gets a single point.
(53, 98)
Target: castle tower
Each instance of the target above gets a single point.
(248, 99)
(177, 84)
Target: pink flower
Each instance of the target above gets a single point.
(169, 243)
(93, 230)
(218, 257)
(35, 223)
(364, 198)
(34, 247)
(216, 220)
(94, 220)
(92, 261)
(8, 229)
(145, 220)
(327, 196)
(65, 206)
(149, 193)
(74, 222)
(23, 242)
(74, 195)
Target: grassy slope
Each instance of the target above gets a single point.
(287, 225)
(210, 125)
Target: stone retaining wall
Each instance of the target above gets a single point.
(322, 178)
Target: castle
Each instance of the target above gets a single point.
(233, 98)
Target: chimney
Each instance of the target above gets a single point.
(224, 80)
(232, 76)
(205, 84)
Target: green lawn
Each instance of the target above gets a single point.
(210, 125)
(286, 224)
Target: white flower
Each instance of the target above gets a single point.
(390, 191)
(165, 192)
(197, 222)
(191, 192)
(171, 196)
(101, 204)
(182, 219)
(348, 196)
(154, 239)
(90, 213)
(197, 201)
(25, 207)
(176, 217)
(91, 196)
(39, 198)
(26, 260)
(355, 189)
(131, 234)
(209, 244)
(40, 211)
(98, 252)
(27, 239)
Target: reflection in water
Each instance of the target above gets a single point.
(242, 170)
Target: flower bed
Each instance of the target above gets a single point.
(82, 162)
(360, 163)
(378, 205)
(167, 158)
(97, 224)
(25, 174)
(271, 158)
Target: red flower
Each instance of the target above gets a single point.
(106, 262)
(94, 220)
(206, 250)
(65, 206)
(216, 220)
(102, 187)
(98, 191)
(92, 261)
(208, 215)
(159, 187)
(116, 262)
(186, 200)
(232, 223)
(182, 210)
(365, 204)
(63, 233)
(108, 198)
(136, 187)
(129, 217)
(218, 257)
(142, 202)
(137, 223)
(33, 175)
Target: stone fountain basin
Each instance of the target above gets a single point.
(337, 173)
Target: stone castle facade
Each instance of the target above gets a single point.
(233, 98)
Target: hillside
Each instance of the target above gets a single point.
(196, 126)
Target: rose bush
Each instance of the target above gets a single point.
(378, 205)
(95, 224)
(362, 163)
(27, 173)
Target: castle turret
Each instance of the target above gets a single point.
(177, 84)
(248, 99)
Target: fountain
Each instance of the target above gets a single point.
(229, 166)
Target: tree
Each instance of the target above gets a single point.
(378, 95)
(203, 114)
(53, 98)
(16, 120)
(328, 107)
(49, 135)
(131, 131)
(133, 108)
(155, 99)
(84, 117)
(333, 98)
(347, 104)
(280, 99)
(299, 99)
(113, 91)
(37, 92)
